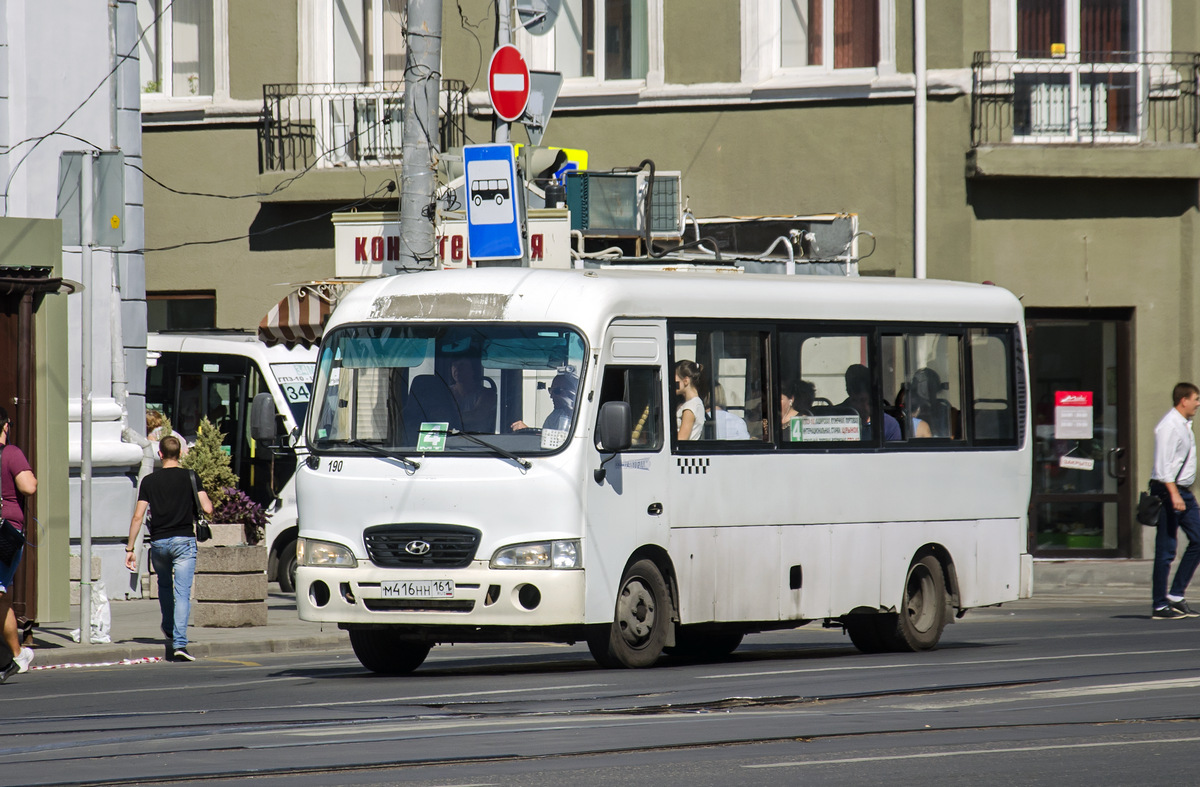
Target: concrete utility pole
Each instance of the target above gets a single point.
(419, 148)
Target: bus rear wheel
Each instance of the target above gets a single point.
(922, 616)
(388, 652)
(639, 630)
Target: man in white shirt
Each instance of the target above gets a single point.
(1172, 479)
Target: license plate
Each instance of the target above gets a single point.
(419, 588)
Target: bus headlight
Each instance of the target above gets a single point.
(323, 553)
(541, 554)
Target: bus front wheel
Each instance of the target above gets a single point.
(639, 630)
(287, 568)
(388, 652)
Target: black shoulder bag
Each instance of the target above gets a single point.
(203, 531)
(11, 539)
(1150, 505)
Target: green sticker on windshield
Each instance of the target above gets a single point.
(432, 436)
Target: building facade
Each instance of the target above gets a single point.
(50, 105)
(1062, 164)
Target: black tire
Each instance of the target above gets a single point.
(478, 200)
(286, 569)
(388, 652)
(923, 609)
(869, 632)
(499, 199)
(639, 630)
(704, 645)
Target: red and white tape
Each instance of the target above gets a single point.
(121, 663)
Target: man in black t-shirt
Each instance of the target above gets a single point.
(171, 498)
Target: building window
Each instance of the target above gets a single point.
(178, 47)
(1084, 70)
(806, 25)
(601, 41)
(181, 311)
(1097, 31)
(368, 41)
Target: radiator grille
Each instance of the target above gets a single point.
(400, 546)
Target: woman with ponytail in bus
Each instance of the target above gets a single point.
(689, 416)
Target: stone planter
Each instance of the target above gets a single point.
(230, 588)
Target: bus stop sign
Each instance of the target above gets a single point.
(493, 224)
(508, 83)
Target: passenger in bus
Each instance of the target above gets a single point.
(689, 415)
(728, 426)
(476, 403)
(858, 396)
(562, 395)
(930, 414)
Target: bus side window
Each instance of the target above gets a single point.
(641, 387)
(932, 382)
(993, 395)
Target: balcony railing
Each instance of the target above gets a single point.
(1090, 98)
(338, 125)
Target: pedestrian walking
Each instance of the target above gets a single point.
(16, 477)
(169, 495)
(1172, 479)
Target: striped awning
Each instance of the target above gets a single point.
(300, 317)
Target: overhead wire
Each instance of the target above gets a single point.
(121, 60)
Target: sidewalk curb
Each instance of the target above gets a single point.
(73, 653)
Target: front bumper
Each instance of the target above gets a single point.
(482, 597)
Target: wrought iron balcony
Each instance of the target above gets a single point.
(1091, 98)
(338, 125)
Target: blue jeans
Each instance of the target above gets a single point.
(8, 571)
(1169, 523)
(174, 561)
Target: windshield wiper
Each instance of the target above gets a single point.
(375, 449)
(525, 463)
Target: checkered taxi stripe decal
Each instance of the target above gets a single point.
(690, 466)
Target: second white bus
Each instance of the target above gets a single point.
(495, 456)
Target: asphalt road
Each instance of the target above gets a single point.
(1064, 691)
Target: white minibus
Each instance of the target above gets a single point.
(496, 455)
(218, 373)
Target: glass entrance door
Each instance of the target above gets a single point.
(1079, 363)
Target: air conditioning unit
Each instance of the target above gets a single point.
(611, 203)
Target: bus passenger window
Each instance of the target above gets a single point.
(826, 394)
(927, 369)
(641, 387)
(728, 384)
(993, 414)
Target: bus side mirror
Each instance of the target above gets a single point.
(614, 427)
(262, 418)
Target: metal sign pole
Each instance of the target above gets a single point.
(87, 239)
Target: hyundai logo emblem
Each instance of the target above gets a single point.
(417, 547)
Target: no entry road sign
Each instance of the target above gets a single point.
(508, 82)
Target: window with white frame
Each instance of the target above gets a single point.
(601, 41)
(367, 41)
(828, 34)
(1086, 70)
(817, 42)
(178, 47)
(1080, 72)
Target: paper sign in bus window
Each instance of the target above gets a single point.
(828, 428)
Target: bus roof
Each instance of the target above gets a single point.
(592, 298)
(228, 343)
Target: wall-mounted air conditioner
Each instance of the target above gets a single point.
(611, 203)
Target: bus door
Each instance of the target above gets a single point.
(626, 509)
(215, 386)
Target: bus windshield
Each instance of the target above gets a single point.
(431, 388)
